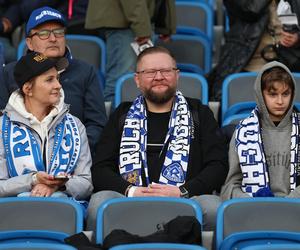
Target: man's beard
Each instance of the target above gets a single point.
(160, 98)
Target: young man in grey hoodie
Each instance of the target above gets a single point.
(263, 154)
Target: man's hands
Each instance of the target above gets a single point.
(288, 39)
(143, 40)
(157, 190)
(46, 185)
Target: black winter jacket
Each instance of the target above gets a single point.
(207, 167)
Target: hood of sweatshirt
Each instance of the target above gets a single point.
(264, 114)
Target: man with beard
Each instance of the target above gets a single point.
(162, 144)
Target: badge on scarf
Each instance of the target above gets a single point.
(174, 172)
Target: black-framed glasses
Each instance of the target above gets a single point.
(151, 73)
(45, 34)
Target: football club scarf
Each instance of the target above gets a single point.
(133, 145)
(23, 153)
(250, 150)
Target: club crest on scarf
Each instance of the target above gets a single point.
(249, 146)
(23, 152)
(134, 143)
(174, 172)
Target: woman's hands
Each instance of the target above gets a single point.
(46, 184)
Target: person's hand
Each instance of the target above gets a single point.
(161, 190)
(165, 38)
(42, 190)
(5, 25)
(288, 39)
(49, 180)
(142, 40)
(139, 191)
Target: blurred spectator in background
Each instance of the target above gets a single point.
(13, 14)
(16, 12)
(125, 22)
(45, 33)
(255, 34)
(75, 12)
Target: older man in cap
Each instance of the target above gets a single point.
(45, 33)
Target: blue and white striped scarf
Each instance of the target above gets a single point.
(249, 147)
(23, 153)
(133, 145)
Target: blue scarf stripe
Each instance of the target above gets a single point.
(57, 142)
(37, 155)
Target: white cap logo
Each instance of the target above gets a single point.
(49, 13)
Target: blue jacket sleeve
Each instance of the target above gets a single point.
(7, 83)
(94, 110)
(3, 90)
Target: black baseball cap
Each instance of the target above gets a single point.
(34, 64)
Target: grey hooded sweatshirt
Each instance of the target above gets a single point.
(277, 143)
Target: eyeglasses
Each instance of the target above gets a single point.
(45, 34)
(151, 73)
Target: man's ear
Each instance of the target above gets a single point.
(29, 43)
(27, 87)
(137, 80)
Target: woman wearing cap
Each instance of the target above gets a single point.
(43, 149)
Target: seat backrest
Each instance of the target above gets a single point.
(297, 79)
(279, 246)
(190, 84)
(157, 246)
(31, 213)
(36, 246)
(257, 214)
(90, 49)
(237, 88)
(194, 86)
(242, 240)
(212, 3)
(126, 89)
(199, 20)
(142, 215)
(192, 52)
(234, 119)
